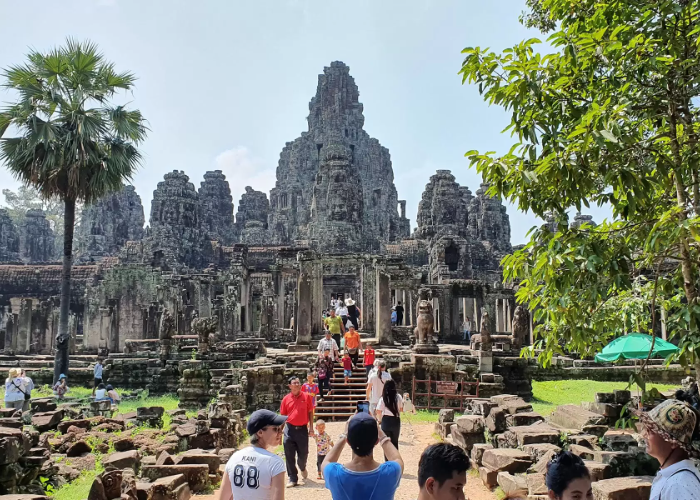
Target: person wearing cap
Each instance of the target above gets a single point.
(668, 430)
(255, 473)
(298, 406)
(60, 388)
(363, 478)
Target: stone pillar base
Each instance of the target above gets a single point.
(485, 362)
(425, 349)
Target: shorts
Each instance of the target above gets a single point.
(98, 381)
(347, 373)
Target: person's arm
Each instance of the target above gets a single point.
(369, 387)
(390, 451)
(225, 492)
(276, 487)
(310, 410)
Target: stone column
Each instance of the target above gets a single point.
(24, 326)
(303, 320)
(383, 312)
(409, 308)
(497, 309)
(475, 318)
(504, 305)
(405, 308)
(509, 324)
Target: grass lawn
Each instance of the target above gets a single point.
(548, 395)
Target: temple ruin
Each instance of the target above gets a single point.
(332, 225)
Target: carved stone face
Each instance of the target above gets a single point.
(339, 210)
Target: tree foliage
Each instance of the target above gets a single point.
(606, 117)
(73, 143)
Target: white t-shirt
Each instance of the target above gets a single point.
(341, 310)
(676, 482)
(386, 411)
(377, 386)
(251, 470)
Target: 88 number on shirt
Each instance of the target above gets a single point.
(246, 477)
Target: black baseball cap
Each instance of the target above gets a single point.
(362, 433)
(262, 418)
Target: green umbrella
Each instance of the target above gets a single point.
(635, 346)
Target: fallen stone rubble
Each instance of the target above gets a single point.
(510, 444)
(50, 445)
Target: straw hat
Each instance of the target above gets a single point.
(673, 420)
(349, 302)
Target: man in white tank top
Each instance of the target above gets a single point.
(255, 473)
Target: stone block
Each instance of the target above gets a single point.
(609, 410)
(608, 457)
(197, 474)
(536, 484)
(512, 485)
(446, 415)
(477, 453)
(122, 460)
(538, 450)
(508, 460)
(516, 406)
(198, 457)
(78, 448)
(526, 418)
(598, 471)
(11, 449)
(15, 423)
(619, 440)
(575, 417)
(587, 440)
(488, 477)
(47, 421)
(164, 458)
(170, 488)
(444, 430)
(622, 397)
(464, 440)
(225, 454)
(185, 430)
(623, 488)
(502, 398)
(483, 407)
(582, 451)
(596, 430)
(541, 465)
(496, 421)
(534, 434)
(124, 444)
(604, 397)
(470, 424)
(23, 496)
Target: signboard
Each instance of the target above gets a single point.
(446, 387)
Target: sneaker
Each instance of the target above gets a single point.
(304, 474)
(291, 484)
(319, 476)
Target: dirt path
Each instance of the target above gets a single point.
(414, 439)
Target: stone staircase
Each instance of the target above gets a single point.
(342, 402)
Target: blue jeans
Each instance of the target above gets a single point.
(467, 336)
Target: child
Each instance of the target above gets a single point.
(310, 387)
(60, 388)
(113, 395)
(325, 372)
(369, 359)
(324, 443)
(408, 404)
(347, 366)
(101, 392)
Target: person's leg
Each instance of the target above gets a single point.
(321, 383)
(336, 337)
(290, 451)
(355, 323)
(303, 449)
(319, 462)
(368, 368)
(25, 405)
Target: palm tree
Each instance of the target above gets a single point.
(72, 142)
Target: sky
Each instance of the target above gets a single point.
(224, 85)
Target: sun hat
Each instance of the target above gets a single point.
(673, 420)
(61, 377)
(349, 302)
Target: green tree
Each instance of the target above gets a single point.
(73, 143)
(605, 116)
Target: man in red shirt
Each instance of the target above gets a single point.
(298, 406)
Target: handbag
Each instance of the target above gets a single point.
(352, 350)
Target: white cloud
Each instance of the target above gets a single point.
(242, 169)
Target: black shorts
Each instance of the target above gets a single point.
(98, 381)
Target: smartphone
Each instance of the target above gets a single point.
(363, 407)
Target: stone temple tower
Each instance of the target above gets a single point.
(337, 206)
(335, 118)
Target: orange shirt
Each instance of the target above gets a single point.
(352, 341)
(297, 408)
